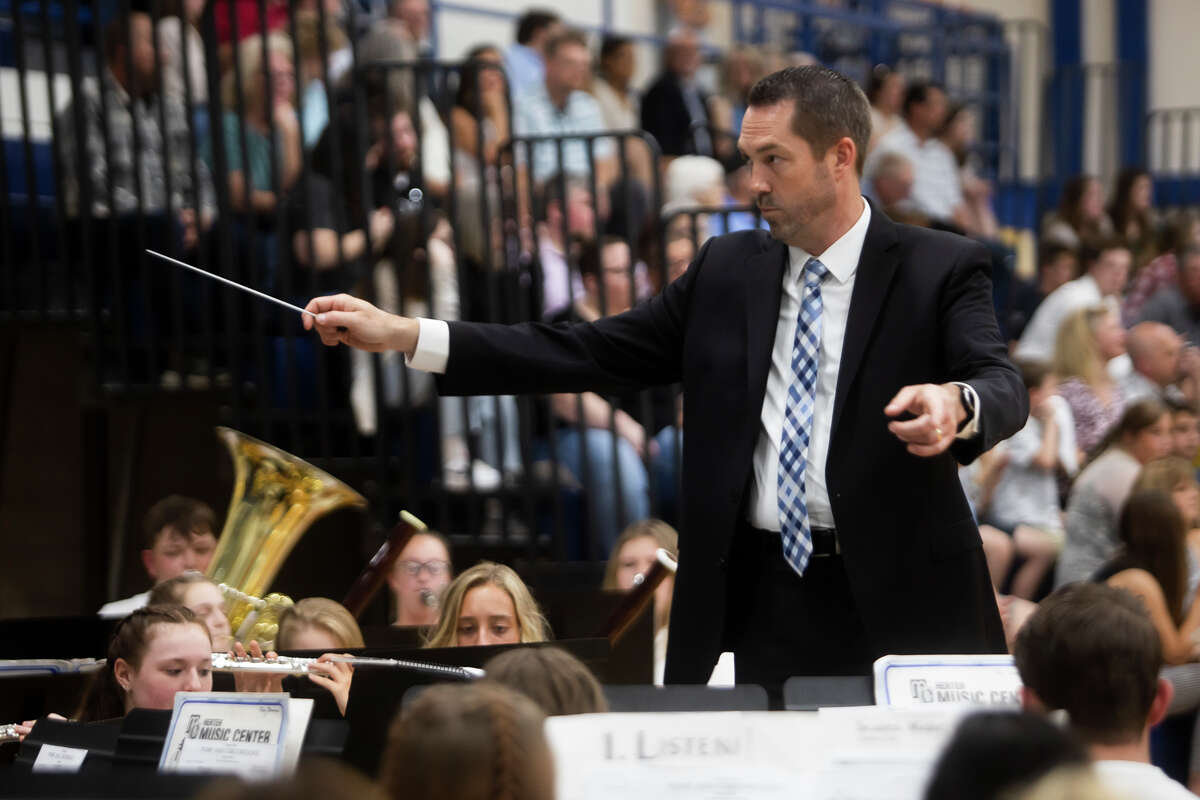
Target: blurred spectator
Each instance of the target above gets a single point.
(1179, 305)
(414, 17)
(740, 70)
(737, 195)
(1185, 435)
(1087, 341)
(1057, 265)
(560, 106)
(419, 577)
(316, 48)
(885, 92)
(253, 113)
(1152, 565)
(128, 116)
(525, 59)
(1099, 493)
(479, 124)
(1106, 270)
(557, 681)
(1080, 217)
(1066, 655)
(613, 84)
(694, 182)
(993, 754)
(590, 422)
(559, 229)
(1157, 365)
(479, 741)
(237, 19)
(937, 188)
(180, 18)
(485, 605)
(675, 102)
(891, 178)
(958, 134)
(1162, 271)
(1025, 501)
(1133, 217)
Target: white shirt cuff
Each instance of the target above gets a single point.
(433, 346)
(972, 427)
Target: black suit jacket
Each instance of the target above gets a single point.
(920, 312)
(665, 115)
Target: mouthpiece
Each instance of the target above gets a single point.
(429, 598)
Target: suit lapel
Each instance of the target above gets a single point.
(876, 268)
(764, 292)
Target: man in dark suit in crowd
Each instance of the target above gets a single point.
(675, 102)
(823, 523)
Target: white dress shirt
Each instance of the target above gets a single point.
(841, 259)
(1037, 342)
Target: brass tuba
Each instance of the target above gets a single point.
(276, 497)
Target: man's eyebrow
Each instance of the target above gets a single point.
(764, 148)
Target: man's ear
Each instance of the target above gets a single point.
(1163, 695)
(845, 155)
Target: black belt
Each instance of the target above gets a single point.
(824, 541)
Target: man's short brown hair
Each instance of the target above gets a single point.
(183, 514)
(563, 39)
(1091, 650)
(828, 106)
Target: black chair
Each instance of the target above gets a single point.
(746, 697)
(810, 692)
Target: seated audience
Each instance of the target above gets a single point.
(693, 182)
(474, 742)
(199, 594)
(1106, 269)
(178, 535)
(634, 553)
(132, 125)
(419, 577)
(1163, 270)
(1155, 367)
(318, 49)
(1080, 217)
(254, 112)
(885, 92)
(525, 59)
(485, 605)
(740, 70)
(1179, 305)
(1133, 218)
(937, 188)
(560, 105)
(180, 18)
(1098, 494)
(317, 623)
(996, 753)
(1185, 432)
(1152, 565)
(1056, 266)
(414, 19)
(738, 194)
(1087, 341)
(1025, 501)
(557, 681)
(891, 178)
(958, 135)
(1068, 655)
(563, 224)
(613, 84)
(592, 427)
(479, 124)
(675, 108)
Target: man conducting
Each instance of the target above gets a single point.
(834, 372)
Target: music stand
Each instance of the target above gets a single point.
(98, 738)
(743, 697)
(810, 692)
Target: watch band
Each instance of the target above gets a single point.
(967, 398)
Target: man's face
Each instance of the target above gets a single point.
(1111, 270)
(791, 187)
(1161, 363)
(1059, 271)
(929, 115)
(895, 185)
(614, 266)
(174, 553)
(683, 56)
(141, 43)
(581, 217)
(569, 68)
(404, 140)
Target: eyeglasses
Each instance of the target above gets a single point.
(436, 569)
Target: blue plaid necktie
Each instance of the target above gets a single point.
(797, 422)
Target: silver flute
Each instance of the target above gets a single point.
(8, 733)
(223, 662)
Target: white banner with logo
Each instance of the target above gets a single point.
(917, 681)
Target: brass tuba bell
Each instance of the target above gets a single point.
(276, 497)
